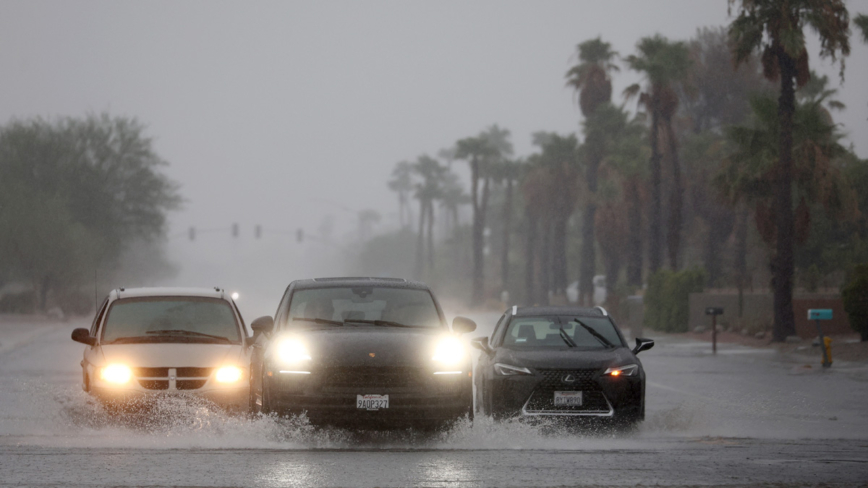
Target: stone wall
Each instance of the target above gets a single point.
(758, 314)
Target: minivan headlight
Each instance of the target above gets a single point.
(228, 374)
(116, 373)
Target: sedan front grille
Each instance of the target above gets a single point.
(594, 402)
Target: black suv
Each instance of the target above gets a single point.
(362, 352)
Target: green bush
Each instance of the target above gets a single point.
(666, 299)
(855, 297)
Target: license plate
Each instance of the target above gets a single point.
(568, 399)
(372, 402)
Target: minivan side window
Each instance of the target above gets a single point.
(98, 318)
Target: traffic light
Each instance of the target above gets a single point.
(257, 231)
(192, 233)
(234, 230)
(299, 235)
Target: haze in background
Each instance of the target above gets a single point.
(292, 115)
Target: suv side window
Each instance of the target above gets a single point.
(98, 318)
(495, 336)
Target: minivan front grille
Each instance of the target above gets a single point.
(186, 378)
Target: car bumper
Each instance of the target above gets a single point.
(439, 403)
(610, 398)
(234, 399)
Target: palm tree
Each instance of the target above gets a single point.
(507, 172)
(664, 64)
(560, 161)
(427, 190)
(402, 184)
(481, 152)
(776, 28)
(590, 78)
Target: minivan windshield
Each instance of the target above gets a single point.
(170, 319)
(545, 331)
(363, 306)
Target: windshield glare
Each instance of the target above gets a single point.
(369, 303)
(544, 332)
(185, 317)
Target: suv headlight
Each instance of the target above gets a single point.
(509, 370)
(629, 370)
(449, 352)
(291, 351)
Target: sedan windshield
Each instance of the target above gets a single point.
(171, 319)
(562, 331)
(363, 306)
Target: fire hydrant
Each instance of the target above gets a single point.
(827, 343)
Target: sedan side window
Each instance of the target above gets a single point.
(495, 336)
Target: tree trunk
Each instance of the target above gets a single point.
(430, 238)
(420, 240)
(673, 239)
(531, 232)
(559, 255)
(507, 228)
(741, 258)
(476, 297)
(655, 217)
(634, 239)
(587, 264)
(545, 263)
(783, 261)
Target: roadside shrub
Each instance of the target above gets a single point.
(855, 297)
(666, 299)
(22, 302)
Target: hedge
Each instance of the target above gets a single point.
(666, 299)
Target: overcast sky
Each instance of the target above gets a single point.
(280, 113)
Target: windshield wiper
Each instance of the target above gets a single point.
(319, 321)
(596, 334)
(186, 333)
(566, 337)
(386, 323)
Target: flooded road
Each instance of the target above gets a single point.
(746, 417)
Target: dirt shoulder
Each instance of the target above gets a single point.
(845, 347)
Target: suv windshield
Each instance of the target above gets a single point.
(171, 319)
(546, 332)
(363, 305)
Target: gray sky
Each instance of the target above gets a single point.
(280, 113)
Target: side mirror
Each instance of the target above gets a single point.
(83, 336)
(481, 343)
(262, 325)
(642, 345)
(463, 325)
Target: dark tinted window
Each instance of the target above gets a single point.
(402, 305)
(544, 332)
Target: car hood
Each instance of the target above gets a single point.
(370, 347)
(549, 358)
(173, 355)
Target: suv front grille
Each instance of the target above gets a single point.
(593, 399)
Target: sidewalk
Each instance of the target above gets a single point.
(17, 330)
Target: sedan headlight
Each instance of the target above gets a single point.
(509, 370)
(629, 370)
(291, 351)
(449, 352)
(228, 374)
(116, 373)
